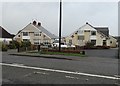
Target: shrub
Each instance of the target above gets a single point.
(24, 46)
(102, 47)
(17, 44)
(4, 47)
(25, 43)
(13, 44)
(89, 45)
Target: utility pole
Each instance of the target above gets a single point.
(60, 25)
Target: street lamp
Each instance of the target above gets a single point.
(60, 23)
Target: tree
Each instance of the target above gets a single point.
(25, 43)
(4, 47)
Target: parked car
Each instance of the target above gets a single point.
(57, 45)
(47, 44)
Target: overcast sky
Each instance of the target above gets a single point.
(16, 15)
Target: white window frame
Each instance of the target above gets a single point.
(36, 34)
(24, 33)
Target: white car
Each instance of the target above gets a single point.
(57, 45)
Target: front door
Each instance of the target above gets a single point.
(104, 42)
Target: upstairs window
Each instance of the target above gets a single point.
(36, 34)
(93, 32)
(25, 33)
(18, 35)
(80, 37)
(86, 30)
(111, 42)
(44, 36)
(70, 41)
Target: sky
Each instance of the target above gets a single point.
(16, 15)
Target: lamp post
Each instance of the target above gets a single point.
(60, 23)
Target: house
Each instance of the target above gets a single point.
(118, 40)
(113, 42)
(35, 33)
(99, 36)
(5, 36)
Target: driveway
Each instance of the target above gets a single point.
(108, 53)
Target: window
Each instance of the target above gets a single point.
(25, 33)
(93, 42)
(36, 41)
(93, 32)
(18, 35)
(36, 34)
(86, 30)
(70, 41)
(72, 36)
(104, 42)
(80, 37)
(25, 40)
(76, 32)
(111, 42)
(44, 36)
(45, 40)
(40, 34)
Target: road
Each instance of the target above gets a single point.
(34, 70)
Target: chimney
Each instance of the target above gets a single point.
(39, 24)
(34, 22)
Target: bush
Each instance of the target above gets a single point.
(25, 43)
(89, 45)
(13, 44)
(102, 47)
(23, 46)
(4, 47)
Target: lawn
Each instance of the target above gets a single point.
(58, 53)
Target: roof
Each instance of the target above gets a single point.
(117, 37)
(47, 32)
(103, 30)
(5, 34)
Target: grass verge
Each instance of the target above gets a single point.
(58, 53)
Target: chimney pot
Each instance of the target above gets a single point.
(39, 24)
(86, 22)
(34, 22)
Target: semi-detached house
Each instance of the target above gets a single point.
(35, 33)
(87, 33)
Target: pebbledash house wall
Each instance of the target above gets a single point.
(31, 29)
(87, 37)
